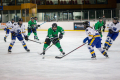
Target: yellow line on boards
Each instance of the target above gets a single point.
(64, 30)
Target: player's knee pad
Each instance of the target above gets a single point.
(23, 43)
(108, 39)
(59, 48)
(111, 41)
(12, 42)
(7, 35)
(90, 47)
(100, 49)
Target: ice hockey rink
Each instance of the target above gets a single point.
(21, 65)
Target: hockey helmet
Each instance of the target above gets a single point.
(20, 19)
(115, 18)
(86, 24)
(54, 25)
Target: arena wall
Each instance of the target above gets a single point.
(66, 25)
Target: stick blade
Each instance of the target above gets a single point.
(58, 57)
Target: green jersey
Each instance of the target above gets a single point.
(98, 25)
(52, 34)
(32, 24)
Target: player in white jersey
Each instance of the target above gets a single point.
(17, 32)
(94, 39)
(114, 28)
(9, 24)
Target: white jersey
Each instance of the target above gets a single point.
(19, 29)
(91, 32)
(114, 27)
(9, 25)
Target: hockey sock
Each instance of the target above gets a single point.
(11, 44)
(24, 44)
(35, 35)
(6, 35)
(91, 49)
(110, 43)
(59, 46)
(29, 33)
(92, 52)
(107, 42)
(101, 35)
(102, 51)
(45, 46)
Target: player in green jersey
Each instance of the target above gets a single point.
(99, 25)
(53, 37)
(32, 26)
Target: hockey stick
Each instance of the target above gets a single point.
(31, 40)
(45, 21)
(59, 57)
(35, 41)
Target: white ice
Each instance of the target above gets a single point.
(21, 65)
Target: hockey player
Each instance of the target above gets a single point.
(94, 39)
(32, 26)
(53, 37)
(114, 28)
(9, 24)
(17, 32)
(99, 25)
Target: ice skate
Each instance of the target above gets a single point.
(5, 39)
(43, 53)
(93, 57)
(27, 50)
(9, 51)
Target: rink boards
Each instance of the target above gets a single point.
(68, 26)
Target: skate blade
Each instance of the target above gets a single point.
(94, 58)
(9, 52)
(107, 57)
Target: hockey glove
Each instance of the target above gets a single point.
(26, 38)
(84, 41)
(13, 34)
(60, 36)
(38, 25)
(110, 31)
(5, 29)
(54, 40)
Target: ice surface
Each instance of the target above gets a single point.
(21, 65)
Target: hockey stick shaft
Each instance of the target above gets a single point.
(71, 51)
(35, 41)
(30, 40)
(45, 21)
